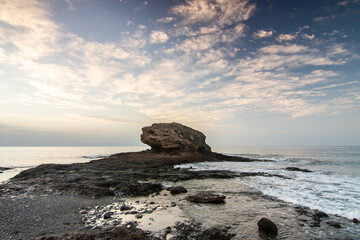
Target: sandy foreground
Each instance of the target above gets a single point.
(34, 209)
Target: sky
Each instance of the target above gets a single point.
(244, 72)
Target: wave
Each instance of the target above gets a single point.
(96, 156)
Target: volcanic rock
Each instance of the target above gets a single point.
(334, 224)
(173, 137)
(267, 226)
(177, 190)
(205, 197)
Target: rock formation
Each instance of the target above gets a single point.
(173, 137)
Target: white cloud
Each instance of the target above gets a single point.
(165, 20)
(194, 77)
(285, 37)
(308, 36)
(263, 34)
(284, 49)
(71, 6)
(223, 12)
(158, 37)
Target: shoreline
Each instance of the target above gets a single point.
(58, 188)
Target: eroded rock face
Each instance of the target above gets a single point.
(173, 137)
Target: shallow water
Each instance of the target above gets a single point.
(332, 186)
(243, 208)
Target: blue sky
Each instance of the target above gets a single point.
(81, 72)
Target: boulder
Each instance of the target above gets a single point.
(173, 137)
(177, 190)
(320, 214)
(267, 227)
(334, 224)
(205, 197)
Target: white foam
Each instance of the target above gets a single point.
(329, 192)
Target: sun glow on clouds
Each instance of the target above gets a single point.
(196, 71)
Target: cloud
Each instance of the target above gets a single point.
(308, 36)
(71, 6)
(285, 37)
(197, 75)
(158, 37)
(284, 49)
(32, 34)
(165, 20)
(263, 34)
(221, 12)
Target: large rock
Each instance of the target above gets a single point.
(205, 197)
(173, 137)
(268, 227)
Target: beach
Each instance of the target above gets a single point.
(65, 200)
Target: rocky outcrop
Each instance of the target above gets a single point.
(205, 197)
(173, 137)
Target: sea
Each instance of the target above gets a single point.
(332, 186)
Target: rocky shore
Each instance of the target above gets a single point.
(141, 195)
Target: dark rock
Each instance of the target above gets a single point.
(131, 212)
(184, 231)
(122, 232)
(108, 215)
(267, 227)
(355, 220)
(315, 224)
(138, 215)
(4, 168)
(320, 214)
(125, 207)
(141, 189)
(177, 190)
(296, 169)
(205, 197)
(173, 137)
(333, 224)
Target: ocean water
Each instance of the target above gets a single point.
(21, 158)
(333, 186)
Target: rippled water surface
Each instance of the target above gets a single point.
(332, 186)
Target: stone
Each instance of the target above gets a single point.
(138, 215)
(296, 169)
(205, 197)
(173, 137)
(334, 224)
(125, 207)
(355, 220)
(267, 227)
(177, 190)
(320, 214)
(108, 215)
